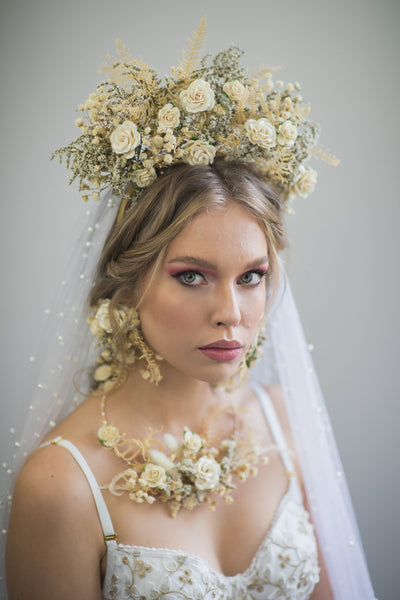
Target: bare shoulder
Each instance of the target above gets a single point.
(51, 476)
(52, 506)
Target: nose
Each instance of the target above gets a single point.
(226, 308)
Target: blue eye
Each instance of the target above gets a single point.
(252, 277)
(191, 278)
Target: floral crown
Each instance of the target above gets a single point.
(136, 124)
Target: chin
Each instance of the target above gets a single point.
(222, 376)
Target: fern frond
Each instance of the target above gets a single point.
(262, 71)
(324, 154)
(191, 54)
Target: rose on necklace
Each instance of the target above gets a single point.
(207, 472)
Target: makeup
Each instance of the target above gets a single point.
(222, 350)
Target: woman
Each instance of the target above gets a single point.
(187, 276)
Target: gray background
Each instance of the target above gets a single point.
(344, 255)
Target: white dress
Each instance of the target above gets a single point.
(285, 566)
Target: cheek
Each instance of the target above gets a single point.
(254, 308)
(164, 316)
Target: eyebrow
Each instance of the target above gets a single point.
(205, 264)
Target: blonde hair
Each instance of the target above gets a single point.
(138, 243)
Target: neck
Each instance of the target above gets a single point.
(176, 401)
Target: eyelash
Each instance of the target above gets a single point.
(179, 276)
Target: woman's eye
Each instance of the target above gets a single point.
(190, 278)
(252, 277)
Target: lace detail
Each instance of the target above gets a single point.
(285, 566)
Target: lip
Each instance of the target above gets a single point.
(223, 350)
(223, 345)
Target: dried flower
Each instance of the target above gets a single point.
(287, 134)
(207, 472)
(304, 181)
(153, 476)
(235, 90)
(145, 177)
(125, 138)
(198, 153)
(198, 97)
(168, 116)
(108, 435)
(261, 132)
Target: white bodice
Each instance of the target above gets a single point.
(284, 566)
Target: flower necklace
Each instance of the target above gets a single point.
(183, 473)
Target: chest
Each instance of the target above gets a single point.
(211, 535)
(284, 566)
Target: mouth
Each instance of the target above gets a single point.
(223, 350)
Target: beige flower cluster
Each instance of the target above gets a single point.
(116, 356)
(135, 125)
(188, 473)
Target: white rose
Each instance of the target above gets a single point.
(103, 316)
(287, 134)
(261, 132)
(235, 90)
(198, 153)
(304, 181)
(207, 472)
(153, 476)
(145, 177)
(168, 117)
(125, 138)
(192, 442)
(108, 435)
(198, 97)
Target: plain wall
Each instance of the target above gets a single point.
(344, 254)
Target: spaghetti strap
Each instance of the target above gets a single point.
(102, 510)
(275, 426)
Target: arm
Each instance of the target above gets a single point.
(323, 589)
(54, 546)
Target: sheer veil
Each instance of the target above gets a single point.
(67, 348)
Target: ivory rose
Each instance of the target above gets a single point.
(145, 177)
(125, 139)
(101, 323)
(108, 435)
(102, 316)
(235, 90)
(198, 97)
(207, 472)
(304, 182)
(168, 116)
(198, 153)
(191, 442)
(261, 132)
(153, 476)
(287, 134)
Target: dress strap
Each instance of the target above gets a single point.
(102, 510)
(275, 427)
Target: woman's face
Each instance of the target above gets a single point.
(204, 304)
